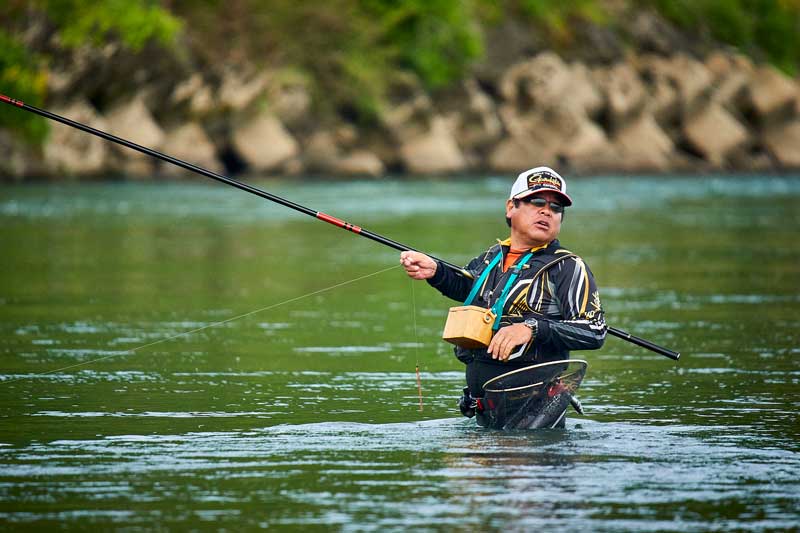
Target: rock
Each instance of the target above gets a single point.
(202, 102)
(652, 33)
(691, 79)
(290, 99)
(407, 110)
(624, 93)
(321, 151)
(293, 167)
(263, 143)
(433, 152)
(194, 93)
(772, 93)
(643, 146)
(721, 64)
(540, 82)
(729, 79)
(191, 144)
(19, 160)
(134, 122)
(558, 133)
(73, 152)
(238, 91)
(662, 94)
(346, 135)
(584, 93)
(518, 152)
(588, 148)
(730, 90)
(472, 114)
(714, 133)
(360, 163)
(783, 143)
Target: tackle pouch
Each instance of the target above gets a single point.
(470, 326)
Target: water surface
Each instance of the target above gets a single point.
(293, 403)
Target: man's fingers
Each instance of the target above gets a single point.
(496, 346)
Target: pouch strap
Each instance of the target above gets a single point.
(482, 279)
(497, 308)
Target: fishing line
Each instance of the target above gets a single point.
(226, 321)
(286, 203)
(416, 342)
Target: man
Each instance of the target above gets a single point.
(551, 304)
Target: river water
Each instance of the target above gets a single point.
(186, 356)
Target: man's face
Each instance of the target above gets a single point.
(533, 226)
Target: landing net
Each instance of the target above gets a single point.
(532, 397)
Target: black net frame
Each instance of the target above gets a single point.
(535, 396)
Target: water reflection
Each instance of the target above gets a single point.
(403, 474)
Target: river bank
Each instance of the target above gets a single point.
(664, 110)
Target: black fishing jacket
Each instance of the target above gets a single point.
(563, 298)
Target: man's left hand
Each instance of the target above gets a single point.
(508, 338)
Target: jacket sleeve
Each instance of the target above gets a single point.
(583, 325)
(453, 285)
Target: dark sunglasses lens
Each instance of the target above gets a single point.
(541, 202)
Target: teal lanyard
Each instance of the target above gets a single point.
(497, 308)
(482, 279)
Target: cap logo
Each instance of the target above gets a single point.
(543, 180)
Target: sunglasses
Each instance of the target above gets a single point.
(537, 202)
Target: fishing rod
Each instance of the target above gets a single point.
(228, 181)
(292, 205)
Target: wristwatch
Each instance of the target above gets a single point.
(534, 325)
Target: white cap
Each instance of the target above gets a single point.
(539, 179)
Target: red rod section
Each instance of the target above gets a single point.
(338, 222)
(10, 100)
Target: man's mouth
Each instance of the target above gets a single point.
(542, 224)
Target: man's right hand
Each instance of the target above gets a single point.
(418, 265)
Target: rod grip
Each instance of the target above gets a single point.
(666, 352)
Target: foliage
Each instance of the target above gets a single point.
(20, 79)
(352, 49)
(77, 23)
(135, 22)
(554, 16)
(437, 39)
(770, 27)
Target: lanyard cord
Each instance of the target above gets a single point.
(416, 342)
(497, 308)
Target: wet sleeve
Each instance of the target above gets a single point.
(583, 326)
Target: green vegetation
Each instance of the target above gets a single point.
(554, 16)
(350, 51)
(20, 78)
(23, 70)
(350, 48)
(758, 27)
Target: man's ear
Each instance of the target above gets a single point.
(509, 207)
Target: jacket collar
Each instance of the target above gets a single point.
(506, 244)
